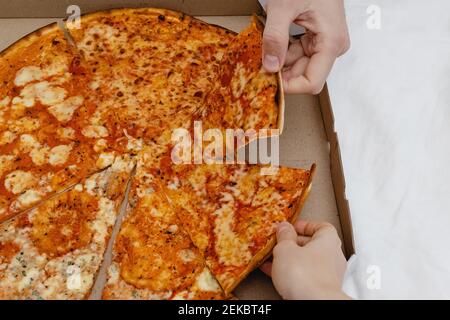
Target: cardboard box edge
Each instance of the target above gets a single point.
(58, 9)
(337, 173)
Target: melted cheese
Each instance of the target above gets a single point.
(46, 93)
(39, 155)
(100, 145)
(95, 131)
(26, 102)
(186, 255)
(239, 80)
(24, 124)
(206, 282)
(6, 162)
(66, 133)
(5, 101)
(28, 198)
(7, 137)
(58, 155)
(28, 74)
(18, 181)
(231, 250)
(28, 142)
(105, 159)
(122, 164)
(64, 111)
(106, 218)
(57, 67)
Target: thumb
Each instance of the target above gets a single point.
(286, 232)
(276, 35)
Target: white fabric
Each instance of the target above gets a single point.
(391, 98)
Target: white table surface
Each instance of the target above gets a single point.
(391, 98)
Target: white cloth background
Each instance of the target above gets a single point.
(391, 98)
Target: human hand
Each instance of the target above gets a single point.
(308, 262)
(308, 61)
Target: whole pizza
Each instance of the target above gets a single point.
(87, 112)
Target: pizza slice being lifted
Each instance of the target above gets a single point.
(245, 96)
(231, 212)
(55, 250)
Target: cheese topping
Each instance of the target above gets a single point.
(206, 282)
(28, 198)
(28, 74)
(18, 181)
(46, 93)
(28, 142)
(187, 255)
(232, 251)
(66, 133)
(6, 162)
(7, 137)
(39, 155)
(59, 155)
(64, 111)
(106, 218)
(24, 124)
(105, 159)
(100, 145)
(5, 101)
(95, 131)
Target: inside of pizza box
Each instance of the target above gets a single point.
(308, 136)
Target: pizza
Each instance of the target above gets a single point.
(45, 143)
(231, 212)
(82, 118)
(154, 257)
(54, 251)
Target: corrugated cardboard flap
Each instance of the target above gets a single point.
(337, 172)
(58, 8)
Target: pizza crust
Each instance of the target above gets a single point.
(28, 39)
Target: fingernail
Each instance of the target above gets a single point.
(282, 226)
(271, 63)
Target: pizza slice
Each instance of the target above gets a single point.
(46, 142)
(245, 95)
(55, 250)
(231, 211)
(153, 256)
(152, 68)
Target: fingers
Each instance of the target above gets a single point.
(286, 232)
(298, 67)
(276, 34)
(294, 53)
(317, 230)
(302, 240)
(310, 228)
(266, 267)
(314, 76)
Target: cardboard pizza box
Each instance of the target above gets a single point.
(308, 136)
